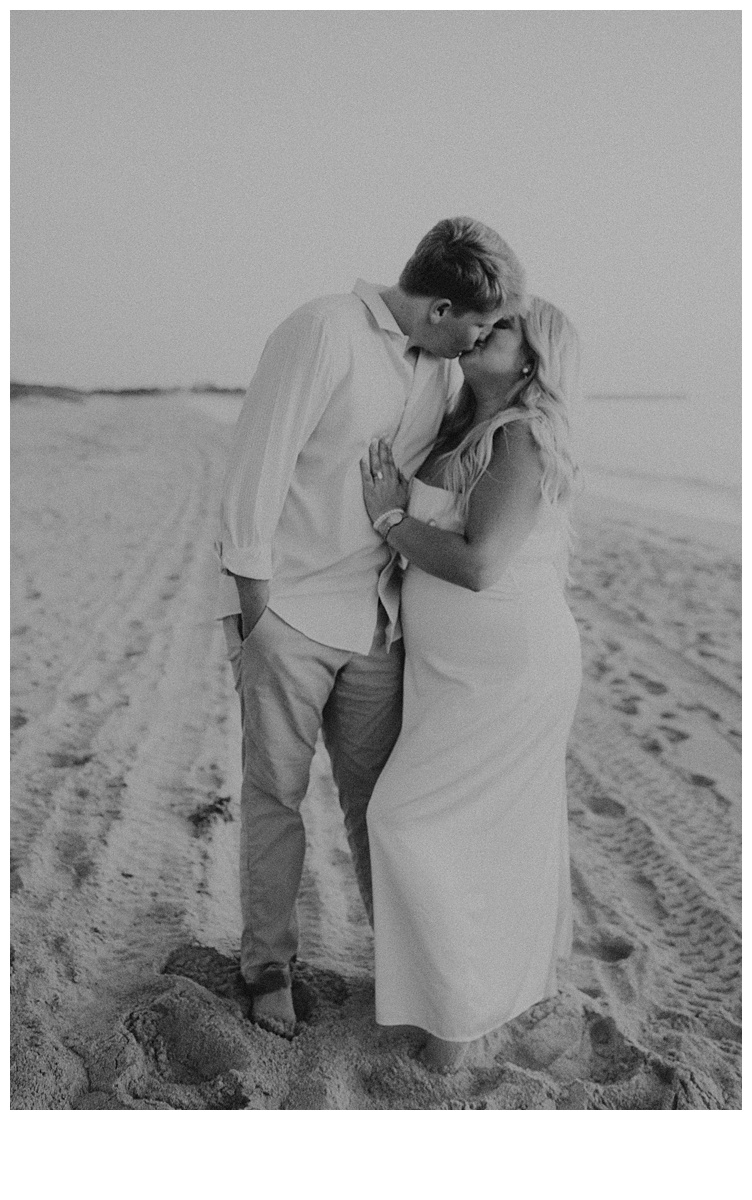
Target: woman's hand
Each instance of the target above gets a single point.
(384, 486)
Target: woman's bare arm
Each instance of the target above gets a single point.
(503, 509)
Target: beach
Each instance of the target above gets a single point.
(125, 765)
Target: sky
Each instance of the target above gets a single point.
(181, 180)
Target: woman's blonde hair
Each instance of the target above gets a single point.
(544, 398)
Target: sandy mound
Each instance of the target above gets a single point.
(125, 769)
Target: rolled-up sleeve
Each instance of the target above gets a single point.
(286, 398)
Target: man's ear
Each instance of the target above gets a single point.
(438, 309)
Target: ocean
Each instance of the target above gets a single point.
(689, 497)
(662, 451)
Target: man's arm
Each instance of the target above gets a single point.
(287, 396)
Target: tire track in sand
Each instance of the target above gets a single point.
(111, 868)
(654, 792)
(91, 681)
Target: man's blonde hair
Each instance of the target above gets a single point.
(466, 262)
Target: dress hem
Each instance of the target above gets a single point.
(454, 1037)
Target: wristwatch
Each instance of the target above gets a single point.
(388, 520)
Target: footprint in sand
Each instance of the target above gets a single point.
(203, 817)
(606, 948)
(674, 735)
(613, 1057)
(644, 897)
(612, 949)
(68, 759)
(651, 685)
(652, 745)
(604, 806)
(184, 1049)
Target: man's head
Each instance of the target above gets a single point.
(461, 279)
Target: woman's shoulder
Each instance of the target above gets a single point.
(515, 454)
(514, 431)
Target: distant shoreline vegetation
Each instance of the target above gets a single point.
(59, 392)
(19, 391)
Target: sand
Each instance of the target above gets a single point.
(125, 780)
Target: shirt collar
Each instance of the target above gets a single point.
(369, 294)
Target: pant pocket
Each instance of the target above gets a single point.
(232, 631)
(252, 634)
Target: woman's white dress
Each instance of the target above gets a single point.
(468, 822)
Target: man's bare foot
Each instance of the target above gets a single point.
(271, 1000)
(443, 1057)
(274, 1012)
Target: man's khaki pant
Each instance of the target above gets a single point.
(291, 687)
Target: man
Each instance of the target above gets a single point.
(311, 605)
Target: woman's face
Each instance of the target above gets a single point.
(501, 356)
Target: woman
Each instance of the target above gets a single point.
(468, 822)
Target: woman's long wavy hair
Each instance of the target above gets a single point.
(545, 396)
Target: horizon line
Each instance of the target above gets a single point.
(636, 396)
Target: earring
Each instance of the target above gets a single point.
(527, 370)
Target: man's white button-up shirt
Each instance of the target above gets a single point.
(333, 376)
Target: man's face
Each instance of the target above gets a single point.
(449, 335)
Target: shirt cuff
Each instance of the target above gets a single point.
(252, 562)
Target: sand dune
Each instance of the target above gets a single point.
(125, 770)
